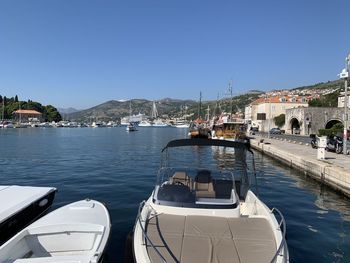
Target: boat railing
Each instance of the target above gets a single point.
(139, 219)
(283, 245)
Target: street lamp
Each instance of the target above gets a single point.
(345, 75)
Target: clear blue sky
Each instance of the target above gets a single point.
(79, 53)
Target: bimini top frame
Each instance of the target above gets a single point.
(244, 145)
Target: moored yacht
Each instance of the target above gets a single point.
(145, 123)
(208, 214)
(20, 206)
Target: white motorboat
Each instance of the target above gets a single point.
(6, 124)
(131, 127)
(182, 124)
(208, 215)
(20, 206)
(159, 123)
(77, 233)
(145, 123)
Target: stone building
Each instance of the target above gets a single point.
(310, 119)
(261, 112)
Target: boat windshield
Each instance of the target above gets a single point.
(202, 188)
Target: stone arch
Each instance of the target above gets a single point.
(294, 123)
(332, 122)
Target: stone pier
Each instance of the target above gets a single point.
(334, 171)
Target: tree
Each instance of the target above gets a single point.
(280, 120)
(16, 98)
(0, 99)
(51, 114)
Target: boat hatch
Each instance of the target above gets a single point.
(201, 188)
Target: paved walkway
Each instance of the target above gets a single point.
(339, 160)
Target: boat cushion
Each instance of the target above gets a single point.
(207, 226)
(208, 250)
(192, 239)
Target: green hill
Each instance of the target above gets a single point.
(12, 104)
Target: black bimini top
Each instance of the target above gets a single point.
(208, 142)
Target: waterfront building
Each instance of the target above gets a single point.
(261, 112)
(26, 115)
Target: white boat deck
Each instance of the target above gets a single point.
(19, 197)
(206, 239)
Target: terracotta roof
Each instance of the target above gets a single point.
(278, 99)
(27, 112)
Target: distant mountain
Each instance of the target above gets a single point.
(67, 110)
(116, 109)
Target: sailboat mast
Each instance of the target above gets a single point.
(200, 105)
(130, 108)
(231, 97)
(3, 108)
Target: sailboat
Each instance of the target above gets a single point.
(199, 127)
(182, 122)
(157, 121)
(131, 126)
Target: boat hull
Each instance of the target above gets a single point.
(77, 232)
(26, 216)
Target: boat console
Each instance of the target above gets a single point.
(196, 188)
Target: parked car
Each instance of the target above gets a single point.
(275, 131)
(296, 131)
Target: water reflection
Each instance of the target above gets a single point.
(315, 214)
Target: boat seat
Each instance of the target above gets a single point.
(182, 178)
(204, 185)
(197, 239)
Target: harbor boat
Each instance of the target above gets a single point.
(145, 123)
(97, 124)
(77, 232)
(131, 127)
(20, 206)
(158, 123)
(227, 127)
(6, 124)
(199, 129)
(182, 124)
(198, 214)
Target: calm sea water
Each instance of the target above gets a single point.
(118, 168)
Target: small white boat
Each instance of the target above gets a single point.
(75, 233)
(20, 206)
(182, 125)
(131, 127)
(7, 124)
(145, 124)
(160, 124)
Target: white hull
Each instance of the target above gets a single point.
(131, 128)
(252, 208)
(198, 214)
(182, 126)
(23, 205)
(77, 232)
